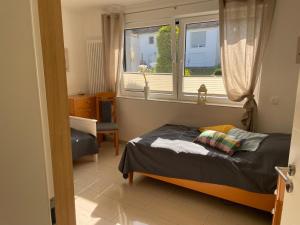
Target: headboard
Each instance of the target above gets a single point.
(84, 125)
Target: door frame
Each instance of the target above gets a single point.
(52, 42)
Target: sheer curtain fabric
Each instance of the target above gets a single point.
(112, 41)
(244, 30)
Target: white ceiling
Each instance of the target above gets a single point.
(99, 3)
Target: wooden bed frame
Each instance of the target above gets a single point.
(265, 202)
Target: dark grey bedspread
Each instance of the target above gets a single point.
(83, 144)
(252, 171)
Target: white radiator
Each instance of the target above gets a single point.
(95, 66)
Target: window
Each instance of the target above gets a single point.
(197, 38)
(151, 40)
(182, 55)
(202, 64)
(149, 46)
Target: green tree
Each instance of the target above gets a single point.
(164, 60)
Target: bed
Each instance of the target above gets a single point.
(248, 178)
(83, 137)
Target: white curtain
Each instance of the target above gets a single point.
(112, 40)
(244, 30)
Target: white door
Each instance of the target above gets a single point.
(291, 207)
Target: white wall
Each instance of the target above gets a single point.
(24, 191)
(79, 26)
(137, 117)
(280, 72)
(73, 26)
(92, 24)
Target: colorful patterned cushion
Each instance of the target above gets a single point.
(219, 140)
(220, 128)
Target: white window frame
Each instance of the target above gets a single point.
(153, 94)
(192, 97)
(177, 65)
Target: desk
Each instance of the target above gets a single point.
(83, 106)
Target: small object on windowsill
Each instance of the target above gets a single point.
(202, 94)
(144, 69)
(146, 91)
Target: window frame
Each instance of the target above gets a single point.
(183, 96)
(177, 64)
(160, 95)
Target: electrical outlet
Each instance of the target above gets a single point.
(275, 100)
(298, 52)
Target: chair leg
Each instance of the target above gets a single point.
(115, 139)
(116, 142)
(95, 156)
(99, 138)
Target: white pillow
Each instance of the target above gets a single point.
(251, 141)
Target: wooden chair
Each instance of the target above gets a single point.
(107, 117)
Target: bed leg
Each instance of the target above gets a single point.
(116, 142)
(96, 157)
(130, 178)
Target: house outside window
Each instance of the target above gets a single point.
(202, 63)
(197, 39)
(139, 50)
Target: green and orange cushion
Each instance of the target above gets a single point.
(219, 140)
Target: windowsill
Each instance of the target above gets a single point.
(183, 102)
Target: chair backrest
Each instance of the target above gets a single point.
(106, 107)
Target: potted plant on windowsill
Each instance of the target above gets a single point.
(144, 69)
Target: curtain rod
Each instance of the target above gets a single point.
(168, 7)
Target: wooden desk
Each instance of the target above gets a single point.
(83, 106)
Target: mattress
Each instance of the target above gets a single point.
(83, 144)
(251, 171)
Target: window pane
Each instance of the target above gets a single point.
(157, 83)
(202, 58)
(149, 46)
(198, 39)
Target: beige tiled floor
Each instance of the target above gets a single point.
(103, 197)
